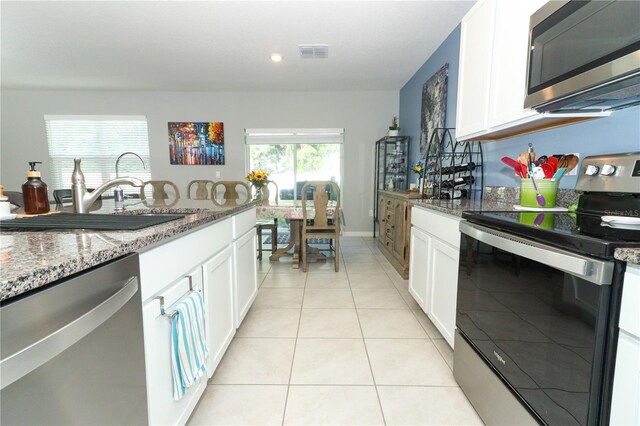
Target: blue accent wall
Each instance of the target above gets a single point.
(618, 133)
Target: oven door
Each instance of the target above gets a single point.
(537, 315)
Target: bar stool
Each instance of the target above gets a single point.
(267, 224)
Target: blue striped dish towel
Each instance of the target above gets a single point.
(188, 347)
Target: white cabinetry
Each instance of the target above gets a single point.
(494, 50)
(625, 406)
(218, 260)
(244, 263)
(433, 269)
(218, 277)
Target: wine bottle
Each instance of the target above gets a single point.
(466, 167)
(464, 180)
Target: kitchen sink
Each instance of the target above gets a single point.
(98, 222)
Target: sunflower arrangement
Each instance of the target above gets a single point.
(258, 178)
(418, 168)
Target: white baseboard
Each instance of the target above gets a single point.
(358, 234)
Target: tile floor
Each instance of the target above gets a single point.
(331, 348)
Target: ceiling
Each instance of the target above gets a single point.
(219, 45)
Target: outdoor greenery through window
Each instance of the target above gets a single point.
(294, 157)
(98, 141)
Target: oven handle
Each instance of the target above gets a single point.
(593, 270)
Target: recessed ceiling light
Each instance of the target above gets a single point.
(275, 57)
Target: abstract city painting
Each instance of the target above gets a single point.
(192, 143)
(434, 105)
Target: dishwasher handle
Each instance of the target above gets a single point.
(24, 361)
(593, 270)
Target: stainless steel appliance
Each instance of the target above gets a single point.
(72, 352)
(584, 55)
(538, 302)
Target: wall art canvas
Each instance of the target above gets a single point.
(434, 105)
(192, 143)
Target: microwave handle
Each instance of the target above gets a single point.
(33, 356)
(593, 270)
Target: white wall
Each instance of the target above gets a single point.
(363, 115)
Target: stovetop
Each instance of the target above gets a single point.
(578, 232)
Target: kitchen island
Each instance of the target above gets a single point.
(30, 260)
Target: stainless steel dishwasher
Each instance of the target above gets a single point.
(73, 352)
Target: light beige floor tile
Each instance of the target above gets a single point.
(240, 405)
(360, 259)
(261, 276)
(285, 280)
(408, 298)
(327, 298)
(325, 266)
(284, 266)
(426, 323)
(377, 298)
(390, 323)
(275, 322)
(370, 280)
(331, 362)
(336, 323)
(278, 298)
(327, 280)
(333, 405)
(426, 406)
(445, 350)
(256, 362)
(359, 268)
(408, 362)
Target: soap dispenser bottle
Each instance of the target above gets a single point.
(34, 192)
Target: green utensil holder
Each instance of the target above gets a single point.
(548, 189)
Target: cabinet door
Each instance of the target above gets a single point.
(397, 226)
(245, 276)
(419, 265)
(443, 280)
(218, 296)
(625, 405)
(157, 346)
(509, 67)
(476, 45)
(382, 217)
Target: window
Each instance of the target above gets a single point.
(294, 156)
(98, 141)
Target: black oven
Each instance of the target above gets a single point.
(538, 316)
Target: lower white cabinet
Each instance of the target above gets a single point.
(220, 261)
(245, 276)
(625, 405)
(433, 268)
(162, 408)
(218, 296)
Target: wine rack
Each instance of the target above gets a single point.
(453, 169)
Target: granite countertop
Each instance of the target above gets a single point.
(503, 199)
(32, 259)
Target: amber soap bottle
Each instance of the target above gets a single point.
(34, 192)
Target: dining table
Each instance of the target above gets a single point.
(292, 213)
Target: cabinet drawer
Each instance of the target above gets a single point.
(440, 225)
(164, 264)
(243, 222)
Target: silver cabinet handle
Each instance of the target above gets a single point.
(22, 362)
(592, 270)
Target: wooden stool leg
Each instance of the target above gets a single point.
(259, 242)
(274, 236)
(337, 254)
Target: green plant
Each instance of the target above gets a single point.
(394, 123)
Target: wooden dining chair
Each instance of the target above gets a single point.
(159, 193)
(202, 189)
(321, 225)
(235, 193)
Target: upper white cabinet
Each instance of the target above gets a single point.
(494, 42)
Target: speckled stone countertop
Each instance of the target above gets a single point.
(29, 260)
(503, 199)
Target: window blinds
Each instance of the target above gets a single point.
(98, 141)
(293, 136)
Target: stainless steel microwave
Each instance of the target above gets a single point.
(584, 56)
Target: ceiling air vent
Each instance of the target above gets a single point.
(314, 51)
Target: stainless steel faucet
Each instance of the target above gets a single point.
(82, 199)
(118, 193)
